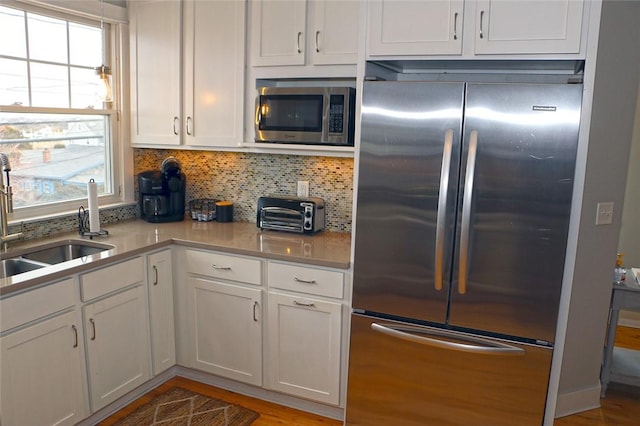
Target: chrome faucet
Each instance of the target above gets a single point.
(6, 203)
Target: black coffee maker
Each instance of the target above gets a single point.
(161, 193)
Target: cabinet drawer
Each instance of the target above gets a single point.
(224, 266)
(34, 304)
(306, 279)
(103, 281)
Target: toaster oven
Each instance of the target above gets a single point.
(293, 214)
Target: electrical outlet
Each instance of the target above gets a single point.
(604, 215)
(303, 188)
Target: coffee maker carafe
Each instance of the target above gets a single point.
(161, 193)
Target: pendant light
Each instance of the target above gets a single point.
(103, 71)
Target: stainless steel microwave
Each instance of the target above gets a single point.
(305, 115)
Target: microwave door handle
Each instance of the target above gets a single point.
(466, 212)
(442, 209)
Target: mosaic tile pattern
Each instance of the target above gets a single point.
(237, 177)
(51, 226)
(243, 177)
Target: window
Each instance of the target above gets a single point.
(54, 128)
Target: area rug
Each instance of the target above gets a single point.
(181, 407)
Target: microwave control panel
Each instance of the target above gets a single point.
(336, 114)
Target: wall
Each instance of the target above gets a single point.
(243, 177)
(237, 177)
(617, 71)
(630, 231)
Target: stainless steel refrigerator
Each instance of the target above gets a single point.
(464, 195)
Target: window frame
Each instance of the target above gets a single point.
(121, 186)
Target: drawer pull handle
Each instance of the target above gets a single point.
(255, 307)
(93, 329)
(155, 275)
(308, 305)
(221, 268)
(75, 336)
(300, 280)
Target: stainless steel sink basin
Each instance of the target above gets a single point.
(62, 251)
(11, 267)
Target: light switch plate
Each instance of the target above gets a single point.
(604, 215)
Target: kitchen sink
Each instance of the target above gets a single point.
(62, 251)
(11, 267)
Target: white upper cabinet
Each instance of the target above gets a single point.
(279, 32)
(415, 27)
(528, 26)
(155, 72)
(469, 28)
(282, 35)
(214, 46)
(187, 72)
(335, 32)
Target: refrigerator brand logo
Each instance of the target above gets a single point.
(543, 108)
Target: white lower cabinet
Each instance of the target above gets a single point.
(161, 312)
(117, 349)
(225, 322)
(224, 305)
(116, 331)
(305, 326)
(304, 347)
(41, 374)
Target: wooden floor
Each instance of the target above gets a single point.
(621, 407)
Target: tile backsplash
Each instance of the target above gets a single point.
(243, 177)
(232, 176)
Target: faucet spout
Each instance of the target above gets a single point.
(6, 203)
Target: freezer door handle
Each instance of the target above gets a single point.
(446, 340)
(442, 209)
(466, 212)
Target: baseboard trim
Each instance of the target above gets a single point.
(127, 399)
(336, 413)
(331, 412)
(576, 402)
(629, 322)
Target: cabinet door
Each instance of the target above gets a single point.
(116, 333)
(163, 349)
(226, 329)
(404, 27)
(155, 72)
(528, 26)
(41, 374)
(335, 32)
(304, 347)
(214, 52)
(278, 32)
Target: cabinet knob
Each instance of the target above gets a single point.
(298, 45)
(317, 46)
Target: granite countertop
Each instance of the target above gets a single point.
(329, 249)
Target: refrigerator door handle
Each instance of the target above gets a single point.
(466, 212)
(442, 209)
(463, 343)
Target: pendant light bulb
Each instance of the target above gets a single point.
(103, 89)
